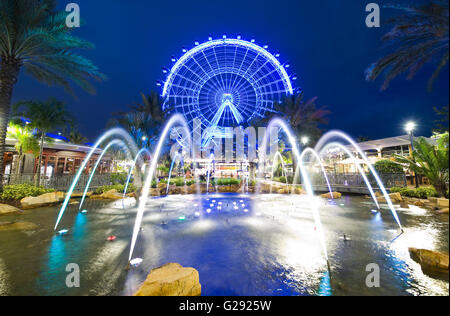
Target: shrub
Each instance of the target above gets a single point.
(16, 192)
(226, 181)
(420, 193)
(119, 178)
(179, 182)
(118, 187)
(388, 166)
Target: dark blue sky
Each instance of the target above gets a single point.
(326, 42)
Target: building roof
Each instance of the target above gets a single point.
(379, 144)
(59, 145)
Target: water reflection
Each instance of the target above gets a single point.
(246, 245)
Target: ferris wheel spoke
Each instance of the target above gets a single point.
(244, 76)
(226, 83)
(219, 69)
(254, 73)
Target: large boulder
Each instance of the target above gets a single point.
(332, 195)
(442, 203)
(171, 279)
(430, 260)
(46, 199)
(443, 211)
(6, 209)
(12, 226)
(112, 195)
(395, 198)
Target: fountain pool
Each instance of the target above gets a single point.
(251, 245)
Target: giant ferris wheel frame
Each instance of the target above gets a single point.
(225, 83)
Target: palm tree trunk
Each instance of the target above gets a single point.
(9, 71)
(19, 162)
(41, 149)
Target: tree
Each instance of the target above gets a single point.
(442, 121)
(25, 142)
(418, 36)
(34, 37)
(144, 121)
(431, 161)
(45, 117)
(388, 166)
(303, 116)
(75, 137)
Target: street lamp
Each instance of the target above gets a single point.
(144, 138)
(409, 127)
(305, 140)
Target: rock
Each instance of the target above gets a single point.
(419, 204)
(299, 190)
(6, 209)
(433, 200)
(430, 260)
(378, 194)
(395, 198)
(442, 203)
(443, 211)
(46, 199)
(112, 195)
(12, 226)
(404, 205)
(131, 195)
(171, 279)
(80, 194)
(332, 195)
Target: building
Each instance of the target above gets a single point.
(59, 158)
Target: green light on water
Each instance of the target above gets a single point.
(182, 218)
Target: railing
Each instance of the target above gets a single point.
(356, 180)
(59, 182)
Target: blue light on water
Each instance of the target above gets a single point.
(325, 285)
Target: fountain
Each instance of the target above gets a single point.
(278, 159)
(338, 134)
(138, 155)
(125, 141)
(105, 150)
(111, 133)
(180, 158)
(208, 174)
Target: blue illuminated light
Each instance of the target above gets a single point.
(226, 94)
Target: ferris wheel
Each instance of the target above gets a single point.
(225, 83)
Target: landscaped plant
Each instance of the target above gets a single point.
(226, 181)
(118, 187)
(16, 192)
(25, 142)
(420, 193)
(431, 161)
(388, 166)
(119, 178)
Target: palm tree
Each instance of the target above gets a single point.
(144, 120)
(75, 137)
(431, 161)
(35, 37)
(45, 117)
(151, 105)
(420, 36)
(442, 121)
(25, 142)
(303, 116)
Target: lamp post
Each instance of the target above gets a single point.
(410, 126)
(304, 140)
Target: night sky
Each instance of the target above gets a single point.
(326, 42)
